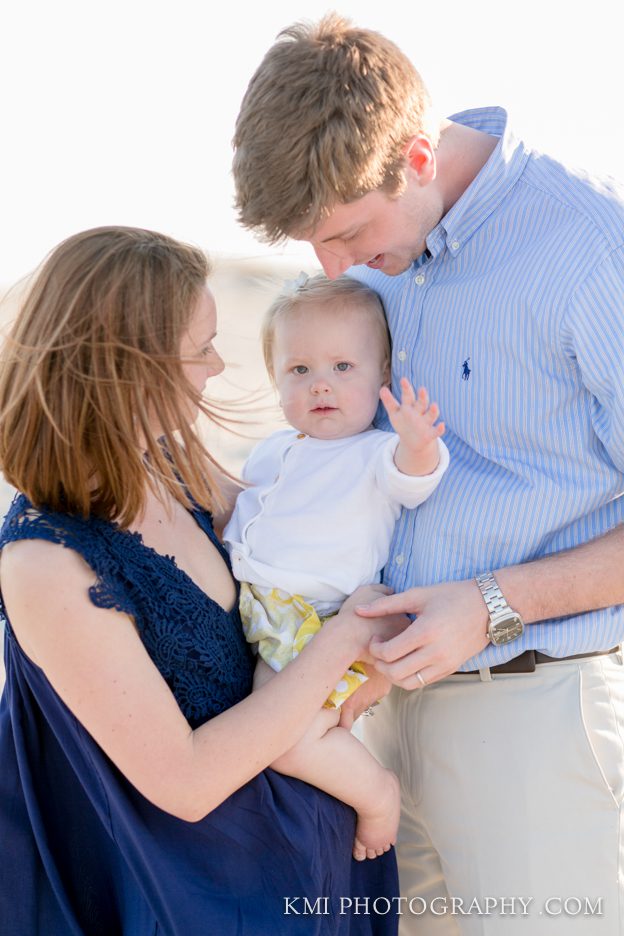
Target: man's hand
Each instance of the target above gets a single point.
(450, 628)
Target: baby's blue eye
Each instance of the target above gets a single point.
(300, 369)
(343, 366)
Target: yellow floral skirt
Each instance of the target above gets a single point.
(281, 625)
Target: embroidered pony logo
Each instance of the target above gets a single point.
(466, 372)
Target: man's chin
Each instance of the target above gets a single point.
(395, 267)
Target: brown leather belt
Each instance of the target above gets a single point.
(527, 661)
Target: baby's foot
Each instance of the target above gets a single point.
(376, 830)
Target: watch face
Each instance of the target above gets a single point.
(508, 628)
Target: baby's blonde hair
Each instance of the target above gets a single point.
(342, 293)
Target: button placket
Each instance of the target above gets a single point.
(414, 298)
(265, 494)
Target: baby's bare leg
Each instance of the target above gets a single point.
(330, 758)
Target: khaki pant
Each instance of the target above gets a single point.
(512, 791)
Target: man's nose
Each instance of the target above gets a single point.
(333, 264)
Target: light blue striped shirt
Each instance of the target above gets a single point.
(515, 324)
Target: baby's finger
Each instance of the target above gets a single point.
(423, 399)
(407, 392)
(432, 413)
(390, 402)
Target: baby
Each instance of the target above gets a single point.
(319, 515)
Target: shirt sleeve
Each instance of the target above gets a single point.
(407, 490)
(594, 337)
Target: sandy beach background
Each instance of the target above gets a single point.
(243, 289)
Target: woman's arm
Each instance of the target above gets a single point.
(95, 660)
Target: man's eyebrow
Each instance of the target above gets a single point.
(341, 235)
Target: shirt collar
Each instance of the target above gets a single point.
(488, 189)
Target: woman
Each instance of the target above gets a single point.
(134, 794)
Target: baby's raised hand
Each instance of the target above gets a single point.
(414, 421)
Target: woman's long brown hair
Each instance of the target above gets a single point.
(92, 356)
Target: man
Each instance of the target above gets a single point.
(502, 274)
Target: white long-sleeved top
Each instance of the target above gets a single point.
(320, 515)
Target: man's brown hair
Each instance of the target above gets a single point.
(93, 356)
(324, 121)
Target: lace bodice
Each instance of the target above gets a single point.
(198, 647)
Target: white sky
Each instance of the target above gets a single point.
(122, 111)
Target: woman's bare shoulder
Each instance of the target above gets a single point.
(43, 585)
(35, 563)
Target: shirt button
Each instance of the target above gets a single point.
(400, 559)
(420, 279)
(455, 245)
(402, 354)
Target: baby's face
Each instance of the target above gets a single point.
(328, 369)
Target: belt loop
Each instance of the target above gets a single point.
(485, 675)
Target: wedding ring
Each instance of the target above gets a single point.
(421, 679)
(368, 711)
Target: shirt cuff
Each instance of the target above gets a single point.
(409, 490)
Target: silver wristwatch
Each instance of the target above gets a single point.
(505, 624)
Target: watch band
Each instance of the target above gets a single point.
(492, 595)
(504, 623)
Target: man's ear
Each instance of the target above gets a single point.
(420, 155)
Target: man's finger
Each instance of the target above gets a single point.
(401, 648)
(403, 603)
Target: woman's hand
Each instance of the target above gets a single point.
(364, 595)
(376, 628)
(375, 688)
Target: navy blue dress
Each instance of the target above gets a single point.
(83, 853)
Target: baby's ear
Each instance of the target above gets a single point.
(386, 375)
